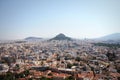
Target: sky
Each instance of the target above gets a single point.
(47, 18)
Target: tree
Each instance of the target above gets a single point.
(77, 59)
(92, 69)
(9, 76)
(17, 67)
(26, 72)
(30, 79)
(111, 56)
(44, 78)
(69, 78)
(50, 74)
(58, 58)
(69, 65)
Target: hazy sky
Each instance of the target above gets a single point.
(47, 18)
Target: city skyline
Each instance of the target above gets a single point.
(47, 18)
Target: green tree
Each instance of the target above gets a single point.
(77, 59)
(9, 76)
(44, 78)
(26, 72)
(69, 78)
(69, 65)
(17, 66)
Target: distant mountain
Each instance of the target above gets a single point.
(32, 38)
(61, 37)
(115, 36)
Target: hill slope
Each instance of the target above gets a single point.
(32, 38)
(115, 36)
(61, 37)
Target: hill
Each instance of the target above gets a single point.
(115, 36)
(61, 37)
(32, 38)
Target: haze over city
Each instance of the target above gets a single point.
(46, 18)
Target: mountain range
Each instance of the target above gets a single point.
(61, 36)
(114, 36)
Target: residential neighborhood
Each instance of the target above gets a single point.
(59, 59)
